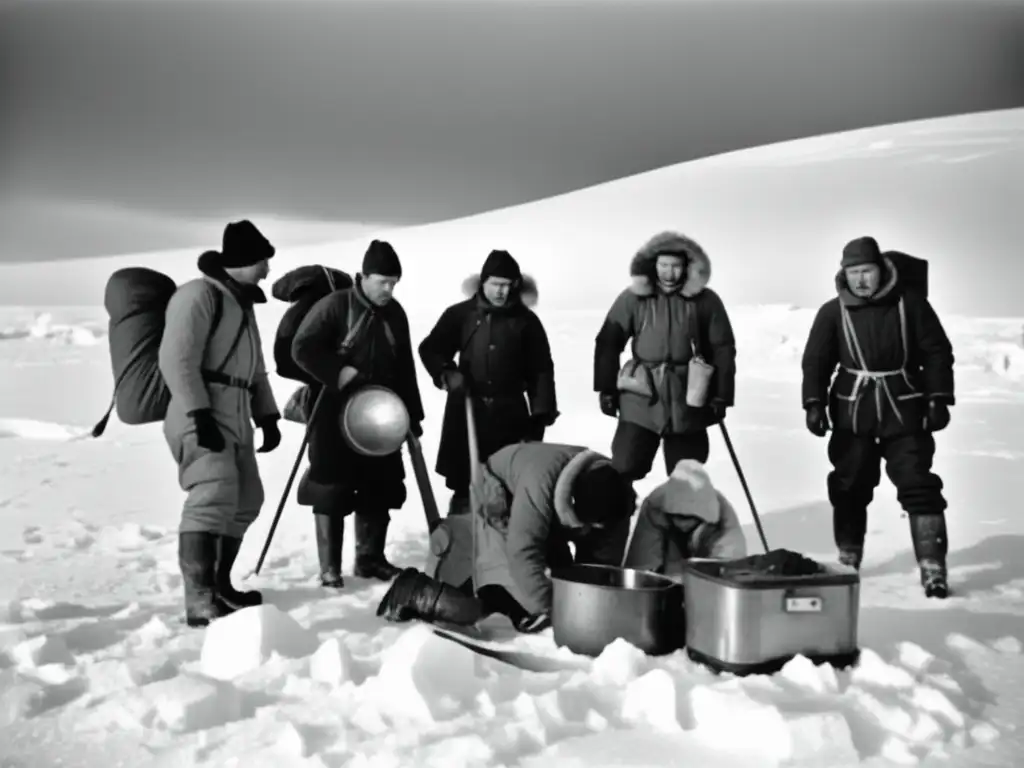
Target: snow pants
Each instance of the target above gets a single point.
(225, 493)
(856, 462)
(634, 448)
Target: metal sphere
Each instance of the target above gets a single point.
(375, 421)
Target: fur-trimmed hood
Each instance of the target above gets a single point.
(527, 292)
(887, 290)
(562, 498)
(642, 266)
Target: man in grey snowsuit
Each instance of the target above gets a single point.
(218, 387)
(893, 390)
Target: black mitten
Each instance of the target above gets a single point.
(208, 434)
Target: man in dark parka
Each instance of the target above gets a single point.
(670, 314)
(893, 390)
(504, 363)
(378, 352)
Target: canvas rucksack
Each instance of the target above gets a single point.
(913, 272)
(136, 300)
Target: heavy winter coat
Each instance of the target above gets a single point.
(665, 329)
(382, 353)
(504, 355)
(904, 360)
(183, 358)
(684, 517)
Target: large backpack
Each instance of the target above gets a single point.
(302, 288)
(136, 301)
(913, 272)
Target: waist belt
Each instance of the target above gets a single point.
(216, 377)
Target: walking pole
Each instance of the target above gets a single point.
(288, 485)
(743, 482)
(474, 481)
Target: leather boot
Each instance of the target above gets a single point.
(227, 553)
(928, 532)
(330, 531)
(414, 595)
(371, 536)
(849, 529)
(197, 558)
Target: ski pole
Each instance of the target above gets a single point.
(743, 482)
(288, 485)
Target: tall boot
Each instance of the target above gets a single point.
(931, 544)
(849, 529)
(226, 555)
(330, 533)
(414, 595)
(197, 558)
(371, 536)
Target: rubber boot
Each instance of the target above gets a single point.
(849, 529)
(928, 532)
(197, 558)
(227, 553)
(330, 532)
(371, 536)
(414, 595)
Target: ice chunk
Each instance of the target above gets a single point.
(819, 738)
(40, 651)
(965, 644)
(651, 700)
(935, 701)
(873, 671)
(246, 639)
(801, 672)
(619, 664)
(984, 733)
(1009, 645)
(895, 751)
(332, 663)
(914, 657)
(191, 702)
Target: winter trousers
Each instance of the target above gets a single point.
(634, 448)
(225, 493)
(856, 473)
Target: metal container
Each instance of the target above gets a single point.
(592, 605)
(757, 624)
(375, 421)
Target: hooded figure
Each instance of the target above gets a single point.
(893, 390)
(536, 499)
(494, 347)
(351, 338)
(219, 388)
(671, 317)
(684, 517)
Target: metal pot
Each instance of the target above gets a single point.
(375, 421)
(592, 605)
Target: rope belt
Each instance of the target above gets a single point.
(215, 377)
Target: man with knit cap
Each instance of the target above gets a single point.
(211, 358)
(892, 392)
(493, 347)
(351, 338)
(536, 498)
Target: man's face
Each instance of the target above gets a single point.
(251, 275)
(670, 270)
(497, 290)
(864, 280)
(379, 289)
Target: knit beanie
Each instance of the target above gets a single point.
(601, 494)
(500, 264)
(381, 259)
(863, 250)
(243, 245)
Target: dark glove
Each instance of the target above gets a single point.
(416, 428)
(937, 418)
(817, 420)
(610, 404)
(452, 380)
(271, 434)
(533, 623)
(718, 408)
(208, 434)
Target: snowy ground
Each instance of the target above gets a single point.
(96, 670)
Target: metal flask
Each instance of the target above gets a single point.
(593, 605)
(375, 421)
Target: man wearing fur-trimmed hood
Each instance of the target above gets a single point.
(672, 318)
(893, 390)
(504, 363)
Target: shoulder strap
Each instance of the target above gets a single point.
(330, 278)
(242, 328)
(693, 328)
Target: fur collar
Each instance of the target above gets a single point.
(641, 268)
(527, 294)
(888, 290)
(562, 496)
(245, 295)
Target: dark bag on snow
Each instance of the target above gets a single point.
(302, 288)
(136, 301)
(913, 272)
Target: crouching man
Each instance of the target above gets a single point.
(684, 517)
(535, 498)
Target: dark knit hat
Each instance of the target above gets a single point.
(601, 494)
(500, 264)
(863, 250)
(243, 245)
(381, 259)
